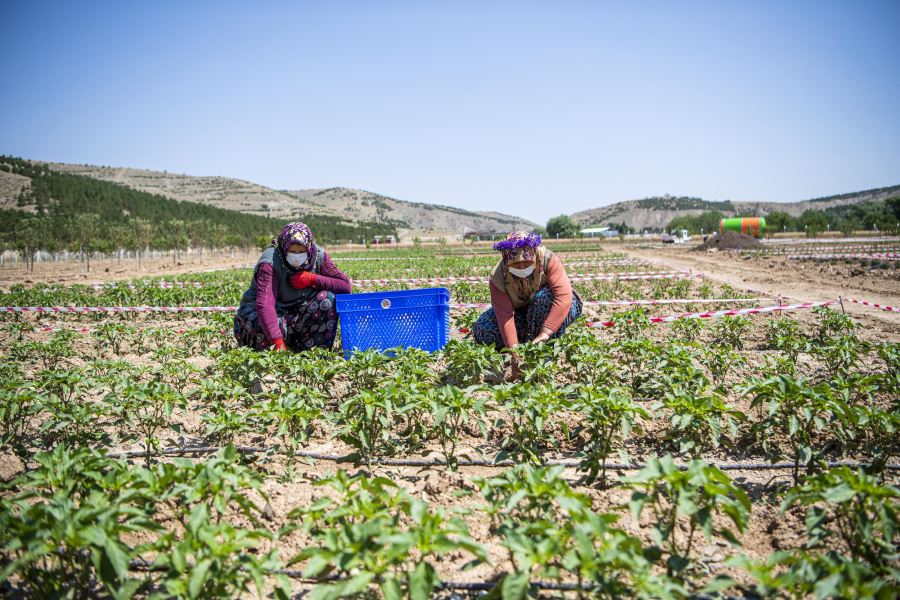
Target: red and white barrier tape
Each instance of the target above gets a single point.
(726, 313)
(596, 324)
(232, 268)
(219, 309)
(343, 258)
(573, 277)
(473, 279)
(824, 249)
(637, 302)
(117, 309)
(612, 261)
(857, 240)
(627, 262)
(873, 304)
(165, 285)
(670, 301)
(712, 314)
(92, 329)
(867, 256)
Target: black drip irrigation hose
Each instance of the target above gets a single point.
(471, 586)
(415, 462)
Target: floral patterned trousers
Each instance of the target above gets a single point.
(311, 323)
(529, 320)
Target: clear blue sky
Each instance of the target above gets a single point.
(531, 108)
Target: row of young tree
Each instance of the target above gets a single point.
(87, 233)
(866, 216)
(64, 211)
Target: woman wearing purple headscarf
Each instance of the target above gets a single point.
(531, 297)
(290, 302)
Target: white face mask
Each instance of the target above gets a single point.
(296, 260)
(522, 272)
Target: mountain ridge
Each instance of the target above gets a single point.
(353, 205)
(656, 212)
(411, 218)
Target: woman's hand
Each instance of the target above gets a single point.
(515, 366)
(303, 279)
(279, 345)
(543, 336)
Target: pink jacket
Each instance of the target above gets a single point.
(561, 288)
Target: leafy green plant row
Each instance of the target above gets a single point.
(398, 404)
(69, 529)
(405, 410)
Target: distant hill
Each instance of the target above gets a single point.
(43, 208)
(350, 205)
(657, 212)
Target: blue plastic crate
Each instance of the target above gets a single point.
(383, 320)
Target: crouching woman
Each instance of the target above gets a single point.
(290, 303)
(531, 296)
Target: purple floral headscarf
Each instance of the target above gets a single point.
(518, 246)
(297, 233)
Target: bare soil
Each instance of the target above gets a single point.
(729, 240)
(111, 269)
(794, 281)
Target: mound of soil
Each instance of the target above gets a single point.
(729, 240)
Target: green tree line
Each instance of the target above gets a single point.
(76, 212)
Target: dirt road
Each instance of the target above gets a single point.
(795, 280)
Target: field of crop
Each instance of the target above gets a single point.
(878, 254)
(144, 455)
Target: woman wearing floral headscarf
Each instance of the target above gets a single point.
(531, 296)
(290, 302)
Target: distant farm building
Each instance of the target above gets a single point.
(599, 232)
(484, 236)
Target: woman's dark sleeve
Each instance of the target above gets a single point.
(331, 278)
(266, 292)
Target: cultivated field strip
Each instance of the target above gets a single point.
(647, 459)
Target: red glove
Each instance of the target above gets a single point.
(303, 279)
(279, 345)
